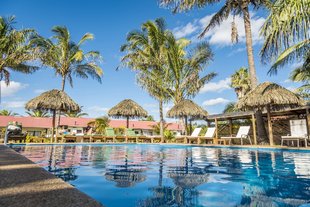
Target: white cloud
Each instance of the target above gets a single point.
(14, 104)
(40, 90)
(97, 109)
(215, 101)
(216, 86)
(287, 81)
(188, 29)
(221, 35)
(12, 88)
(236, 51)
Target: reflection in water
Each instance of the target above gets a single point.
(155, 175)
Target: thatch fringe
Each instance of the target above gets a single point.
(187, 108)
(127, 108)
(272, 94)
(53, 100)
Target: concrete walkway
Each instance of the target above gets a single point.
(25, 184)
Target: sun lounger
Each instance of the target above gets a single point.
(110, 135)
(98, 138)
(131, 136)
(194, 134)
(298, 130)
(209, 136)
(243, 133)
(68, 138)
(86, 138)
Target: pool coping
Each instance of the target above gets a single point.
(251, 147)
(24, 183)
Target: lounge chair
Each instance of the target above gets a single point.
(86, 138)
(298, 130)
(194, 134)
(243, 133)
(110, 135)
(68, 138)
(131, 136)
(209, 136)
(98, 138)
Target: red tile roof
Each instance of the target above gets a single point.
(36, 122)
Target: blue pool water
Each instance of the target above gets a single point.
(167, 175)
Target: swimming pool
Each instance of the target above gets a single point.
(173, 175)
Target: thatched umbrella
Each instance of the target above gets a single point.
(187, 108)
(54, 100)
(128, 109)
(270, 97)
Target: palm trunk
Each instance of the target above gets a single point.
(127, 122)
(53, 125)
(261, 130)
(249, 45)
(63, 83)
(161, 121)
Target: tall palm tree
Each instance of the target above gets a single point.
(234, 7)
(286, 33)
(67, 57)
(145, 54)
(5, 112)
(15, 52)
(38, 113)
(185, 67)
(240, 81)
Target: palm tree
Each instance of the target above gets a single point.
(75, 114)
(185, 68)
(67, 57)
(100, 124)
(145, 54)
(5, 112)
(286, 33)
(240, 81)
(230, 7)
(38, 113)
(15, 52)
(230, 107)
(302, 74)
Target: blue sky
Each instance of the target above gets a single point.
(110, 21)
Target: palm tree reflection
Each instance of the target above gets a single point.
(126, 175)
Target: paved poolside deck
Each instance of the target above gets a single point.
(23, 183)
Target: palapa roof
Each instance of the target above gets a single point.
(190, 180)
(53, 100)
(271, 94)
(127, 108)
(186, 108)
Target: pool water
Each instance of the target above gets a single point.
(171, 175)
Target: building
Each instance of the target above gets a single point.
(39, 126)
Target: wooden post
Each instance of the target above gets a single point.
(216, 131)
(190, 126)
(127, 122)
(230, 127)
(254, 129)
(269, 126)
(308, 120)
(185, 117)
(53, 126)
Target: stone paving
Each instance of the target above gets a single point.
(25, 184)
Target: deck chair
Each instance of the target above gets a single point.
(131, 136)
(194, 135)
(97, 138)
(68, 138)
(299, 133)
(110, 135)
(243, 133)
(209, 136)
